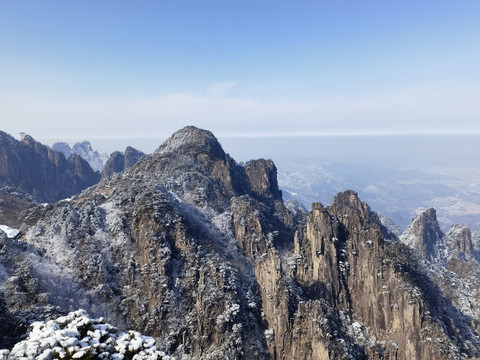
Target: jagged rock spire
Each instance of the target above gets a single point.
(424, 234)
(263, 178)
(459, 238)
(118, 162)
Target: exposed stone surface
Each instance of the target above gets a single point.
(200, 252)
(262, 175)
(454, 266)
(85, 150)
(425, 235)
(12, 203)
(114, 164)
(459, 239)
(378, 283)
(42, 172)
(118, 162)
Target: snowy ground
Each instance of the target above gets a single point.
(10, 232)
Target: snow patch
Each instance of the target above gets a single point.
(10, 232)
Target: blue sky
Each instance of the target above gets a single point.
(123, 69)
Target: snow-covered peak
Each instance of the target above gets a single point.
(82, 146)
(84, 149)
(94, 158)
(191, 135)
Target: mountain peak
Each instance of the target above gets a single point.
(349, 199)
(459, 238)
(191, 137)
(85, 150)
(84, 146)
(118, 162)
(42, 172)
(32, 143)
(429, 215)
(424, 234)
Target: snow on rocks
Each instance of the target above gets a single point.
(10, 232)
(76, 336)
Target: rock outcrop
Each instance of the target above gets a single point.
(454, 265)
(424, 234)
(459, 240)
(85, 150)
(12, 203)
(377, 282)
(118, 162)
(262, 175)
(43, 173)
(201, 253)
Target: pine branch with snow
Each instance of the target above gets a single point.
(76, 336)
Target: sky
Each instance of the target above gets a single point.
(133, 72)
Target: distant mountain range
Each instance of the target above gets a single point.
(84, 149)
(31, 172)
(399, 194)
(201, 253)
(47, 175)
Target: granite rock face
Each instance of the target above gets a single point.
(118, 162)
(12, 203)
(262, 175)
(43, 173)
(376, 281)
(425, 235)
(459, 240)
(201, 253)
(454, 265)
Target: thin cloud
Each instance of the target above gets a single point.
(422, 110)
(222, 89)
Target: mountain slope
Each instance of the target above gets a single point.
(452, 262)
(43, 173)
(200, 252)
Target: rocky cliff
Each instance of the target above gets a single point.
(118, 162)
(43, 173)
(424, 235)
(454, 264)
(201, 253)
(85, 150)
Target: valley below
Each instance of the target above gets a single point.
(399, 194)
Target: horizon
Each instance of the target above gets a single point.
(132, 70)
(387, 150)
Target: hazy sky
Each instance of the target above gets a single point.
(123, 69)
